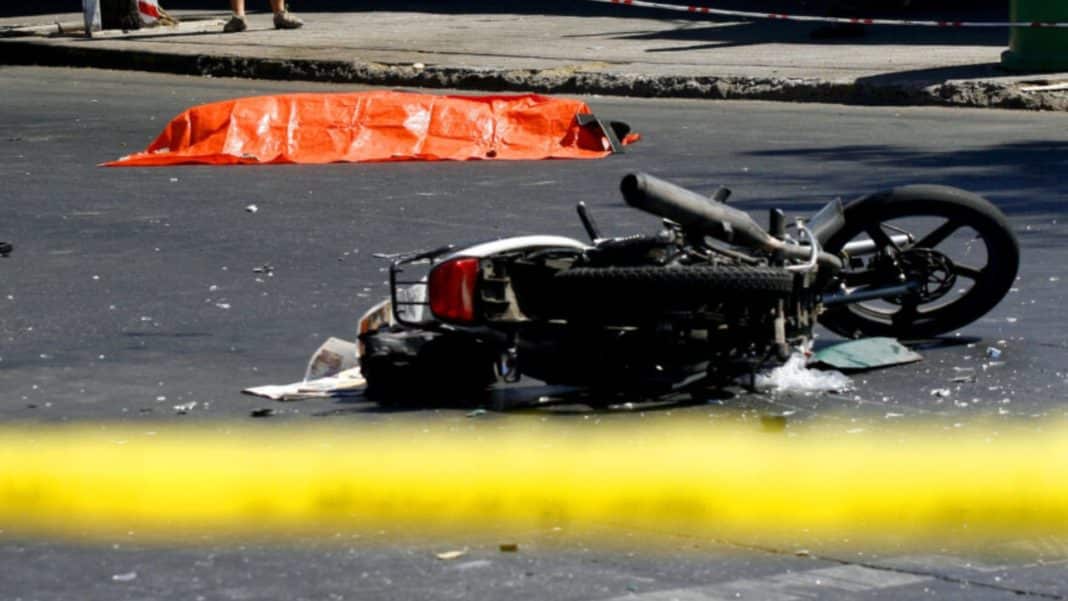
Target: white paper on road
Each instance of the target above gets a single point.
(331, 358)
(347, 383)
(332, 371)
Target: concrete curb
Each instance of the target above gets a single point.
(1005, 93)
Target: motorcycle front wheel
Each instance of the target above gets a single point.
(956, 248)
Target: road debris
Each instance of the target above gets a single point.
(794, 376)
(449, 555)
(509, 547)
(331, 358)
(333, 371)
(476, 413)
(124, 577)
(941, 392)
(252, 208)
(993, 352)
(345, 384)
(6, 249)
(265, 268)
(262, 412)
(866, 353)
(185, 408)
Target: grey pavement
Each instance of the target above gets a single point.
(613, 51)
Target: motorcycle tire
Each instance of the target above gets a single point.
(959, 208)
(645, 291)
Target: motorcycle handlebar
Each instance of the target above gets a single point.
(694, 211)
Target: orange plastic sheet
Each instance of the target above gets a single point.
(375, 126)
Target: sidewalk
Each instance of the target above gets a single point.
(618, 55)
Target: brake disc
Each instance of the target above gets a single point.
(931, 270)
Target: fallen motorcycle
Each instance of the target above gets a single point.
(711, 296)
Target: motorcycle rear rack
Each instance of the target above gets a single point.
(402, 308)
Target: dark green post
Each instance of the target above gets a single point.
(1034, 49)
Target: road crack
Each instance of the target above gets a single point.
(962, 581)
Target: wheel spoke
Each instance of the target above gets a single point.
(967, 271)
(943, 227)
(882, 241)
(939, 234)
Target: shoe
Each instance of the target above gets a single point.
(287, 20)
(236, 24)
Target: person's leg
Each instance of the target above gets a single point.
(237, 21)
(282, 18)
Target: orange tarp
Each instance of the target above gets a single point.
(375, 126)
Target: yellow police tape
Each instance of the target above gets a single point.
(786, 485)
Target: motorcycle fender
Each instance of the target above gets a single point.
(491, 284)
(503, 245)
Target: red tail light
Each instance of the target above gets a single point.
(452, 289)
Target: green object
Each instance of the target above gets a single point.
(1037, 49)
(866, 353)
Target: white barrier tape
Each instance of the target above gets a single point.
(704, 10)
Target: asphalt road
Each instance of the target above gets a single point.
(131, 291)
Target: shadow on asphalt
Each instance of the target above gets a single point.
(1013, 172)
(938, 75)
(731, 33)
(726, 31)
(532, 397)
(946, 8)
(536, 398)
(740, 35)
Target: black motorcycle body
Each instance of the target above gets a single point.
(711, 296)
